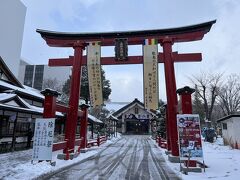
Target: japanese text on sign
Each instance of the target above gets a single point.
(43, 139)
(94, 74)
(150, 71)
(121, 49)
(190, 144)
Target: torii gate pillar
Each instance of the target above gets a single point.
(72, 115)
(171, 94)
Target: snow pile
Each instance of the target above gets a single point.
(223, 163)
(17, 165)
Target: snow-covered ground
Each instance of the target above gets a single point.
(223, 163)
(17, 165)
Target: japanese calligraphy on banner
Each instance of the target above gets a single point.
(150, 73)
(43, 139)
(94, 74)
(189, 136)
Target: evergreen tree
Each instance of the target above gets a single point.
(161, 119)
(84, 93)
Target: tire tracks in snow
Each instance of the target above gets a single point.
(132, 163)
(158, 164)
(100, 167)
(143, 169)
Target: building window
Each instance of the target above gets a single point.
(38, 78)
(136, 110)
(28, 77)
(224, 125)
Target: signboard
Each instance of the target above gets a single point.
(189, 135)
(94, 74)
(43, 139)
(141, 117)
(121, 49)
(150, 73)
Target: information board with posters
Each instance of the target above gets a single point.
(189, 136)
(43, 139)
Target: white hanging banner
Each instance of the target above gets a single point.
(43, 139)
(94, 74)
(150, 73)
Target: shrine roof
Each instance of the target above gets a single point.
(119, 112)
(157, 33)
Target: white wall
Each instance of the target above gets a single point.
(232, 133)
(12, 18)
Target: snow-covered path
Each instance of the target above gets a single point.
(131, 157)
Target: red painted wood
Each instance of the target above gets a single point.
(190, 163)
(78, 142)
(59, 146)
(101, 140)
(49, 110)
(167, 57)
(171, 95)
(83, 127)
(61, 108)
(188, 57)
(186, 103)
(131, 59)
(64, 109)
(72, 115)
(185, 37)
(168, 129)
(61, 62)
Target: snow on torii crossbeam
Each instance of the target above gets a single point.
(166, 38)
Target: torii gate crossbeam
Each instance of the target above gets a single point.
(166, 38)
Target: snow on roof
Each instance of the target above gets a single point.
(26, 90)
(20, 108)
(4, 96)
(94, 119)
(112, 117)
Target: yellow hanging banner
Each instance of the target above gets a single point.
(150, 74)
(94, 73)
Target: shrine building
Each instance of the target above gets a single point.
(134, 118)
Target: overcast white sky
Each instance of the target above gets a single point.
(220, 47)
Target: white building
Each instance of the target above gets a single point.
(39, 76)
(230, 130)
(12, 18)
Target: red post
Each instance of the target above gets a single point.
(159, 141)
(72, 115)
(185, 99)
(83, 126)
(168, 129)
(171, 93)
(49, 109)
(98, 140)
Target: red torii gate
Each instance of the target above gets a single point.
(166, 38)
